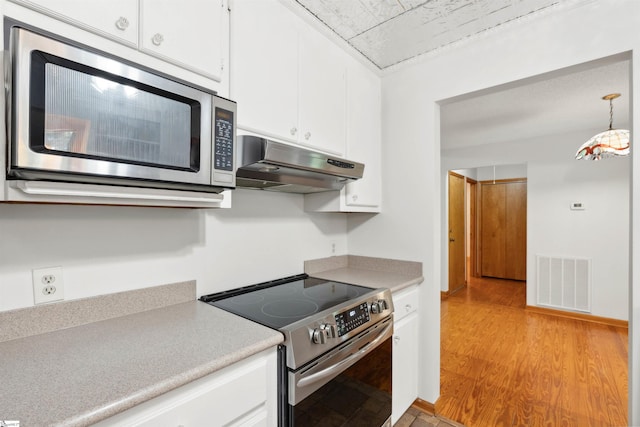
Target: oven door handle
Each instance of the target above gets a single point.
(302, 382)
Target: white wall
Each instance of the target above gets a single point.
(554, 180)
(410, 225)
(501, 171)
(469, 173)
(109, 249)
(599, 233)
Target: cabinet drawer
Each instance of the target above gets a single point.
(405, 301)
(236, 395)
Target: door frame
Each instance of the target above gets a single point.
(464, 231)
(471, 211)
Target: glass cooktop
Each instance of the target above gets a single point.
(281, 302)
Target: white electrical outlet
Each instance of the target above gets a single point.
(48, 285)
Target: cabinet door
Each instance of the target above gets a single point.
(264, 70)
(405, 365)
(188, 35)
(322, 93)
(363, 135)
(363, 144)
(116, 19)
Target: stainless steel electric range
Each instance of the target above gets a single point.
(335, 363)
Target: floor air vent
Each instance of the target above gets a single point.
(564, 283)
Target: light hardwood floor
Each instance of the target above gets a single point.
(504, 366)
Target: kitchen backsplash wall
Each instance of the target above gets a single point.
(112, 249)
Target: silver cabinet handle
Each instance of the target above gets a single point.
(307, 135)
(407, 307)
(122, 23)
(293, 130)
(396, 339)
(157, 39)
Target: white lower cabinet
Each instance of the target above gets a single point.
(243, 394)
(405, 351)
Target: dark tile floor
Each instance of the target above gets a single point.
(416, 418)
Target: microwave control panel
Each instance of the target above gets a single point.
(224, 136)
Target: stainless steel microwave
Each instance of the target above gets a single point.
(81, 116)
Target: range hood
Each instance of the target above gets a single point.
(269, 165)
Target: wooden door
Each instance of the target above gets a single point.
(516, 234)
(503, 234)
(492, 232)
(457, 255)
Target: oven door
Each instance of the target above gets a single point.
(349, 386)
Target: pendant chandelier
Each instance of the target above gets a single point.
(610, 143)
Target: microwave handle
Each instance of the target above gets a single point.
(302, 382)
(44, 188)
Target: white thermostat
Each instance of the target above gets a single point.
(577, 206)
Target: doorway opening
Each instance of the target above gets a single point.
(462, 225)
(489, 215)
(494, 126)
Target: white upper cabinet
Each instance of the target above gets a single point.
(190, 34)
(321, 84)
(117, 19)
(187, 33)
(363, 100)
(288, 79)
(264, 70)
(364, 104)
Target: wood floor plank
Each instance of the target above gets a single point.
(502, 365)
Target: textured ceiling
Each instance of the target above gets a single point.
(565, 102)
(391, 31)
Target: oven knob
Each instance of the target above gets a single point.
(379, 306)
(321, 334)
(331, 330)
(375, 307)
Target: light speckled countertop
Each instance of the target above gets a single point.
(367, 271)
(80, 375)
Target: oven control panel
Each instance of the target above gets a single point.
(350, 319)
(307, 339)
